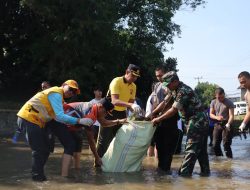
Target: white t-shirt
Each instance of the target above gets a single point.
(149, 106)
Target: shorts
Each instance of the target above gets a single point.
(78, 138)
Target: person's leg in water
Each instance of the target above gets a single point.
(179, 142)
(166, 136)
(78, 138)
(217, 138)
(227, 142)
(60, 130)
(196, 147)
(106, 134)
(39, 146)
(203, 157)
(76, 160)
(18, 133)
(210, 134)
(152, 151)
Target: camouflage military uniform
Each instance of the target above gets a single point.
(190, 109)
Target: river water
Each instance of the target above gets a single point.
(15, 164)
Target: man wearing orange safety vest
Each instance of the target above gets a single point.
(34, 116)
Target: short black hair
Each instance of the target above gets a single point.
(98, 87)
(219, 91)
(161, 67)
(107, 104)
(244, 74)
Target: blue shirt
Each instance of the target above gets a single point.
(55, 100)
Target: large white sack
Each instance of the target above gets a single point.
(128, 148)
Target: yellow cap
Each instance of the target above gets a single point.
(73, 84)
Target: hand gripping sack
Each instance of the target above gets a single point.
(128, 148)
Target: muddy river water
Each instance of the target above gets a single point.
(15, 161)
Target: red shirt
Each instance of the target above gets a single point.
(77, 109)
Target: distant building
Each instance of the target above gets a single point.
(238, 96)
(234, 99)
(242, 93)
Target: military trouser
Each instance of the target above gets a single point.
(196, 146)
(221, 133)
(106, 134)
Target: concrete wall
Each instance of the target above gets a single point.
(8, 120)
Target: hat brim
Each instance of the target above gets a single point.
(77, 89)
(135, 74)
(165, 84)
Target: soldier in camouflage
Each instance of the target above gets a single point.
(190, 108)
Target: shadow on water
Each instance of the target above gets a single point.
(15, 164)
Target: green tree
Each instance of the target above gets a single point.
(90, 41)
(171, 64)
(205, 91)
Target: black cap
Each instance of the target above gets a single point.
(134, 69)
(108, 106)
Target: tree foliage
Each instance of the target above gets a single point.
(206, 92)
(89, 41)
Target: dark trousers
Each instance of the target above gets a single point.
(166, 139)
(179, 144)
(106, 134)
(221, 133)
(40, 142)
(210, 134)
(61, 131)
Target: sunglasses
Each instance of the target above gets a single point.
(73, 90)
